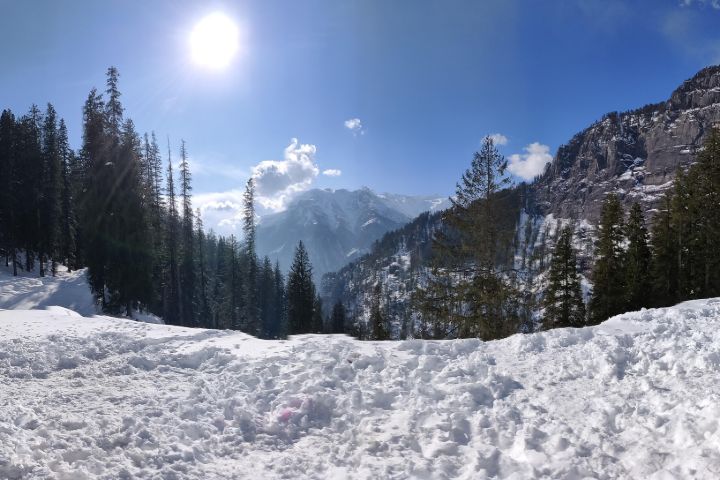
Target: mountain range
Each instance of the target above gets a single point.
(635, 154)
(337, 226)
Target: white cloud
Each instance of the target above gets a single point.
(498, 139)
(332, 172)
(355, 126)
(530, 164)
(221, 211)
(712, 3)
(276, 181)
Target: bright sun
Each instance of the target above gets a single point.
(214, 41)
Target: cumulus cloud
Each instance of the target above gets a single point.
(221, 211)
(332, 172)
(498, 139)
(278, 180)
(531, 163)
(355, 126)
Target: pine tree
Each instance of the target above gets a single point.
(664, 257)
(706, 178)
(187, 265)
(338, 318)
(563, 301)
(378, 323)
(300, 293)
(68, 220)
(268, 307)
(129, 265)
(465, 286)
(8, 199)
(318, 322)
(94, 193)
(279, 328)
(637, 261)
(609, 289)
(172, 284)
(204, 313)
(49, 208)
(251, 313)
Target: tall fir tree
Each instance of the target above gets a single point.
(637, 261)
(563, 300)
(466, 288)
(49, 208)
(187, 263)
(300, 293)
(251, 313)
(378, 323)
(68, 219)
(663, 271)
(338, 318)
(609, 292)
(172, 230)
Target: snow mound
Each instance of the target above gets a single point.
(636, 397)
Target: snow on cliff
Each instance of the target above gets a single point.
(636, 397)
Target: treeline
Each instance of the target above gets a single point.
(472, 290)
(115, 208)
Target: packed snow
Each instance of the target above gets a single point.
(636, 397)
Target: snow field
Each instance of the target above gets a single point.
(636, 397)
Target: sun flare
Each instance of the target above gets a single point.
(214, 41)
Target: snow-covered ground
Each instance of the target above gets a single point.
(636, 397)
(28, 291)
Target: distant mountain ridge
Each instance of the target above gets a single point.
(337, 226)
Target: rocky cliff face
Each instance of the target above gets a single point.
(635, 153)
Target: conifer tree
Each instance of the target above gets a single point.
(68, 220)
(378, 323)
(8, 199)
(204, 313)
(338, 318)
(49, 208)
(466, 287)
(664, 257)
(172, 285)
(187, 265)
(269, 309)
(95, 179)
(251, 311)
(563, 301)
(637, 261)
(609, 288)
(318, 322)
(280, 327)
(705, 174)
(300, 293)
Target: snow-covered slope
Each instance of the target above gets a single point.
(636, 397)
(28, 291)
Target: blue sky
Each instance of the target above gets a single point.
(426, 80)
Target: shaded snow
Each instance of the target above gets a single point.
(636, 397)
(29, 291)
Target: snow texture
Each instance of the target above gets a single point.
(636, 397)
(27, 291)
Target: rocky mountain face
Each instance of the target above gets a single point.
(337, 226)
(635, 154)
